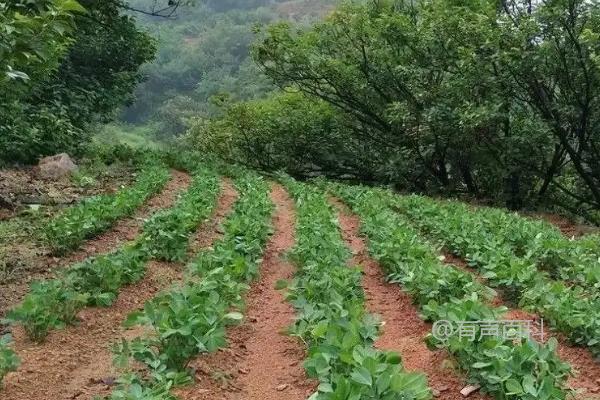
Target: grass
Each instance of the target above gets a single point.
(136, 136)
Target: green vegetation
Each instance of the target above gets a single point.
(434, 97)
(190, 319)
(135, 136)
(96, 214)
(507, 370)
(203, 60)
(332, 319)
(96, 281)
(165, 233)
(568, 308)
(573, 260)
(497, 102)
(51, 91)
(8, 359)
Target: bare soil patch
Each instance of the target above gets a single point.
(262, 362)
(403, 331)
(20, 187)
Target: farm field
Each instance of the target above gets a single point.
(299, 200)
(226, 284)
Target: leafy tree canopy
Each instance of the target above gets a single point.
(66, 64)
(498, 98)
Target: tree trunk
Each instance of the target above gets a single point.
(468, 179)
(515, 199)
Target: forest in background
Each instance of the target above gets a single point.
(498, 101)
(68, 67)
(203, 59)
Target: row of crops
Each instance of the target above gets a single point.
(332, 319)
(530, 261)
(505, 368)
(543, 273)
(96, 281)
(190, 319)
(96, 214)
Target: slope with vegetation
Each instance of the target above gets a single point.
(496, 100)
(203, 60)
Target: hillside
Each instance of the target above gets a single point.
(204, 52)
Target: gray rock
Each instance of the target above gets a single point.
(56, 167)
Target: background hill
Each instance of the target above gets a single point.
(204, 52)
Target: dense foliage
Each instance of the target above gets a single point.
(8, 359)
(64, 65)
(285, 131)
(493, 99)
(204, 54)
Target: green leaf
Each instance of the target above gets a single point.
(362, 375)
(513, 387)
(281, 284)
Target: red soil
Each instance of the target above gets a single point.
(124, 230)
(403, 331)
(76, 363)
(261, 363)
(586, 379)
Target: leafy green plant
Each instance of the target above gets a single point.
(165, 235)
(523, 369)
(508, 370)
(192, 318)
(332, 320)
(49, 305)
(96, 214)
(515, 265)
(186, 321)
(101, 278)
(8, 359)
(131, 387)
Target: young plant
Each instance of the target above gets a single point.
(101, 278)
(8, 359)
(96, 214)
(165, 235)
(49, 305)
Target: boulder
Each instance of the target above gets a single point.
(56, 167)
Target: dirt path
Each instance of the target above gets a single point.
(587, 370)
(76, 363)
(403, 331)
(261, 363)
(124, 230)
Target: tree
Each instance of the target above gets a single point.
(498, 99)
(67, 65)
